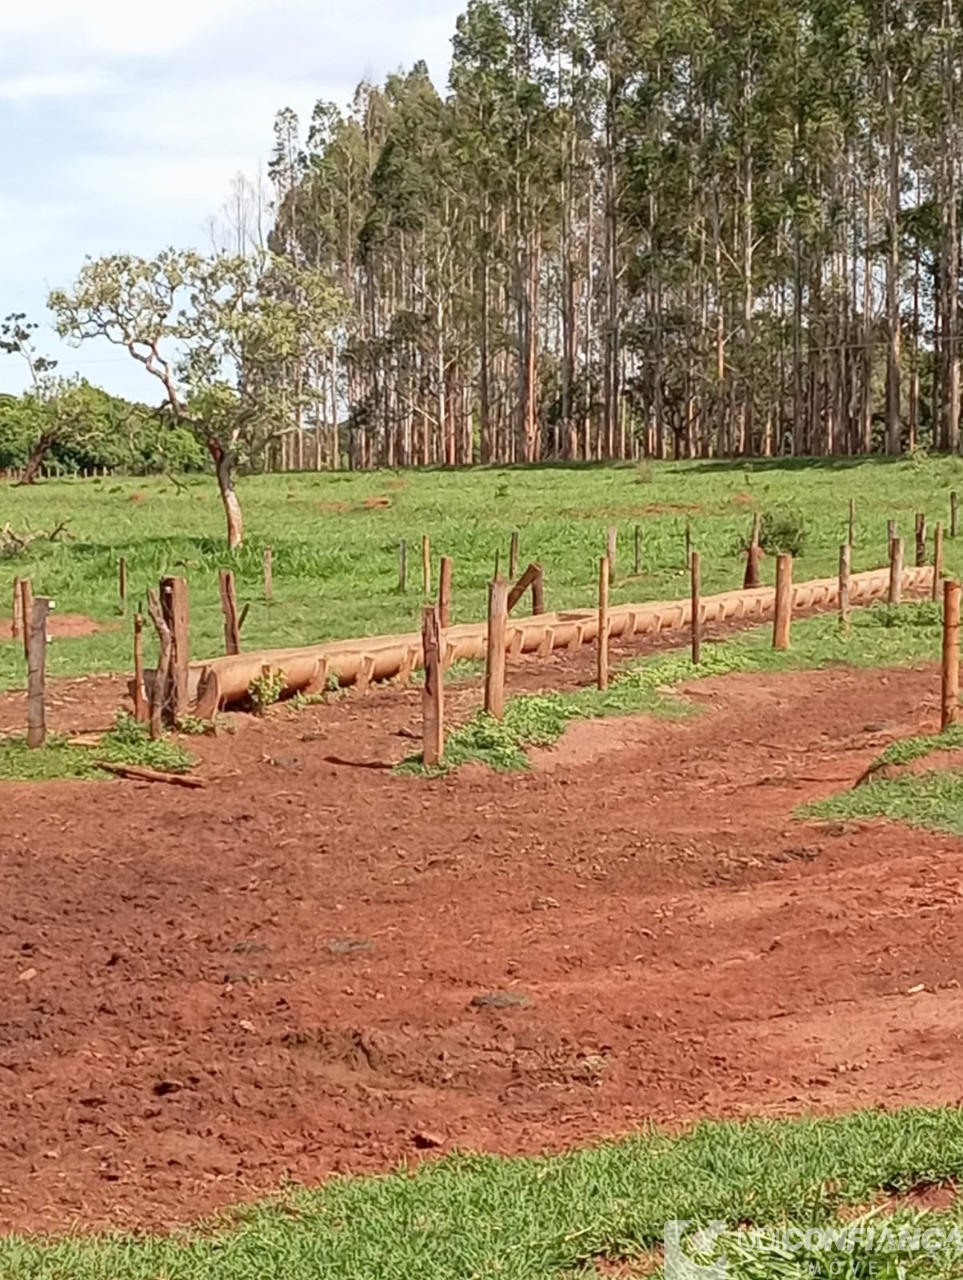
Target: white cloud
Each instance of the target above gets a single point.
(22, 89)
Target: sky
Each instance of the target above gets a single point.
(122, 127)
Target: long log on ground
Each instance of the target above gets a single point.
(388, 656)
(139, 773)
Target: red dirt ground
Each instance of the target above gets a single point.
(65, 626)
(206, 992)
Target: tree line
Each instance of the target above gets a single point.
(643, 227)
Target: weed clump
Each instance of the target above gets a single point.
(783, 530)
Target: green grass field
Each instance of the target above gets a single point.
(562, 1217)
(336, 560)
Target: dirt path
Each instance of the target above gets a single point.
(205, 992)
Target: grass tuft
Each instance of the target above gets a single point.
(906, 750)
(127, 743)
(933, 801)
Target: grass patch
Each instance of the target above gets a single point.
(931, 800)
(127, 743)
(540, 719)
(539, 1218)
(878, 636)
(906, 750)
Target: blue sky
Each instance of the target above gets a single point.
(123, 125)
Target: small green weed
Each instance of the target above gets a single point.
(783, 529)
(127, 743)
(193, 727)
(265, 690)
(908, 749)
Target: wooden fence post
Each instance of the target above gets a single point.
(937, 558)
(895, 571)
(26, 612)
(695, 568)
(612, 550)
(37, 672)
(954, 514)
(426, 564)
(433, 691)
(845, 555)
(751, 578)
(140, 698)
(950, 700)
(513, 556)
(268, 573)
(602, 672)
(495, 648)
(444, 592)
(783, 620)
(173, 598)
(538, 591)
(232, 626)
(638, 550)
(402, 566)
(920, 539)
(122, 585)
(158, 695)
(16, 612)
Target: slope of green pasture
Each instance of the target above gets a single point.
(336, 558)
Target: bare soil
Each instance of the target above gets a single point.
(206, 992)
(64, 626)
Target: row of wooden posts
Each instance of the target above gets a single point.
(433, 623)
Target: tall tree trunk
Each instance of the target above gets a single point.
(893, 328)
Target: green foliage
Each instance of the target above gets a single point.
(552, 1217)
(783, 530)
(539, 720)
(193, 727)
(932, 800)
(90, 429)
(265, 690)
(127, 743)
(906, 750)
